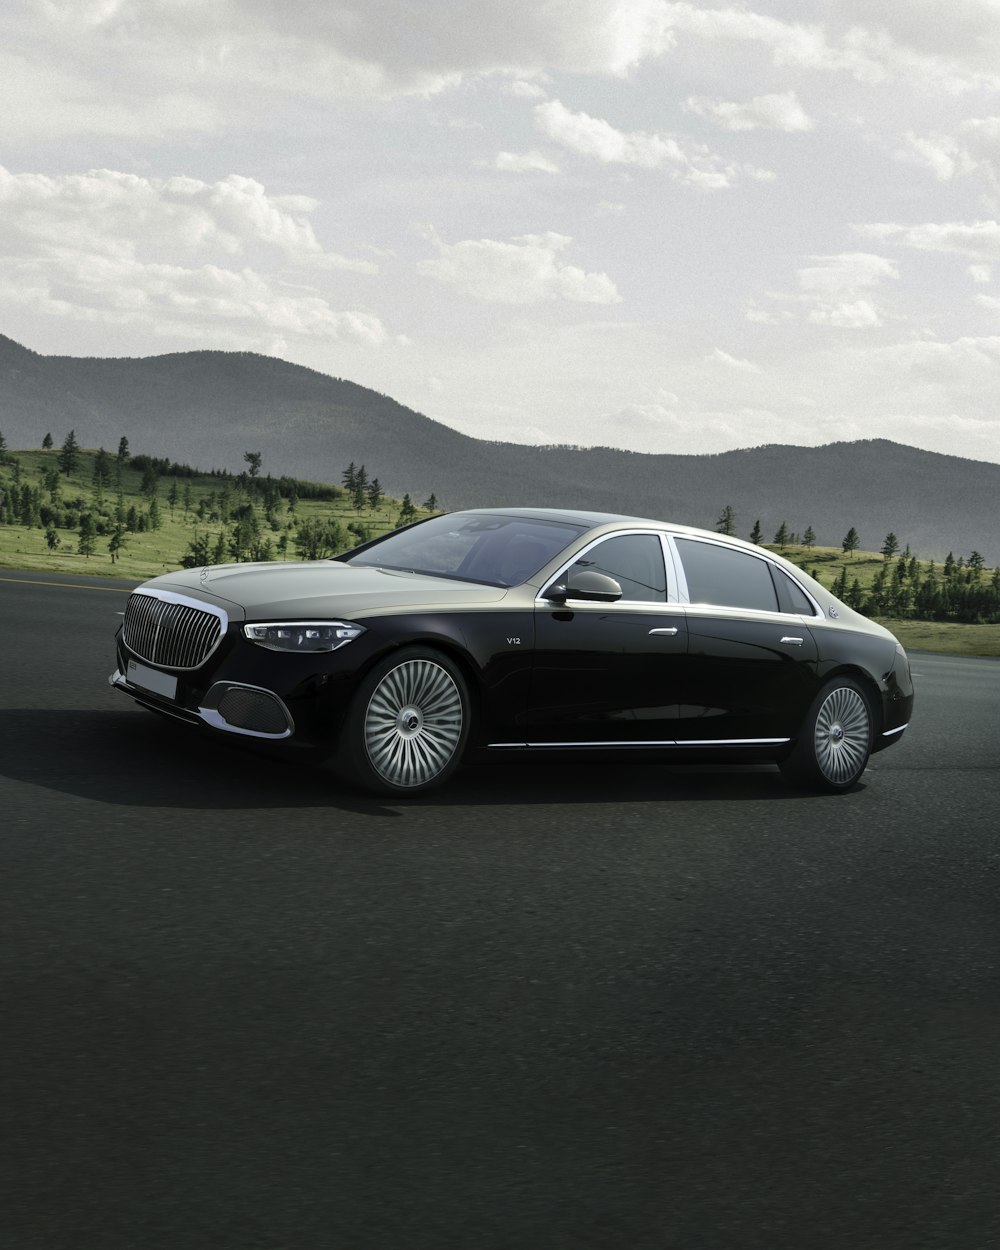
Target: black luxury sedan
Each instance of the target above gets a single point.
(523, 631)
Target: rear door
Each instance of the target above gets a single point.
(751, 666)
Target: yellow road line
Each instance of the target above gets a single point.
(30, 581)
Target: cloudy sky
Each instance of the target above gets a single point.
(656, 225)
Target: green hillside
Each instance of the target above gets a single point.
(141, 516)
(136, 516)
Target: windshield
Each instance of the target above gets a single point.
(472, 547)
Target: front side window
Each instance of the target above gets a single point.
(635, 561)
(727, 578)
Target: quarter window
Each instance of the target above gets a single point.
(719, 575)
(793, 597)
(635, 561)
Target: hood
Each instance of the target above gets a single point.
(319, 590)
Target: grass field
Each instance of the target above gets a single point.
(153, 551)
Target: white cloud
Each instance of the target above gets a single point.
(525, 162)
(524, 271)
(113, 212)
(693, 164)
(981, 273)
(868, 52)
(848, 271)
(943, 155)
(378, 48)
(979, 239)
(115, 248)
(857, 315)
(769, 112)
(733, 362)
(525, 90)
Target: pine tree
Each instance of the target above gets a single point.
(123, 451)
(809, 537)
(430, 504)
(375, 494)
(102, 468)
(726, 524)
(839, 588)
(756, 534)
(851, 541)
(155, 520)
(47, 442)
(407, 512)
(69, 457)
(116, 542)
(51, 538)
(890, 546)
(781, 537)
(173, 495)
(88, 532)
(253, 459)
(348, 477)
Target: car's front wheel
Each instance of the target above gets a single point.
(408, 724)
(835, 740)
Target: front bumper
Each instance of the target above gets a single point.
(229, 706)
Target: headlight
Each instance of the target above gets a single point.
(302, 635)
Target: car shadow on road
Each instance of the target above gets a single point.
(130, 758)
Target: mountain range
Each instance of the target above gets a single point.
(206, 408)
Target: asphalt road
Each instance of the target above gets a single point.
(552, 1009)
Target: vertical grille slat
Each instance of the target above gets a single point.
(168, 633)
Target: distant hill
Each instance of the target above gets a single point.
(207, 408)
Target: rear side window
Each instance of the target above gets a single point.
(727, 578)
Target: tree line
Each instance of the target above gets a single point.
(903, 587)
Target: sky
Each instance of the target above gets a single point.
(664, 226)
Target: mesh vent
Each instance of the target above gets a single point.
(253, 709)
(174, 635)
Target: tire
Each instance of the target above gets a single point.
(835, 741)
(407, 726)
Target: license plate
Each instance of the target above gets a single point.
(152, 679)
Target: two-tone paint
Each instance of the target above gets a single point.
(682, 679)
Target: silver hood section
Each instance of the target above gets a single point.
(318, 590)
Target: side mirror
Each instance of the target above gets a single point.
(587, 585)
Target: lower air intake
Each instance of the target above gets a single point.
(255, 710)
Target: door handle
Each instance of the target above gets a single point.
(669, 632)
(797, 642)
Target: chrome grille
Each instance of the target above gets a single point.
(169, 632)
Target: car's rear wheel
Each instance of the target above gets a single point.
(835, 741)
(408, 724)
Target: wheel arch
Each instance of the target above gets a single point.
(865, 678)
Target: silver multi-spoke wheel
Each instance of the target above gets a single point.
(835, 739)
(413, 723)
(842, 736)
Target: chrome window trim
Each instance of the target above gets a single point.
(631, 604)
(765, 558)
